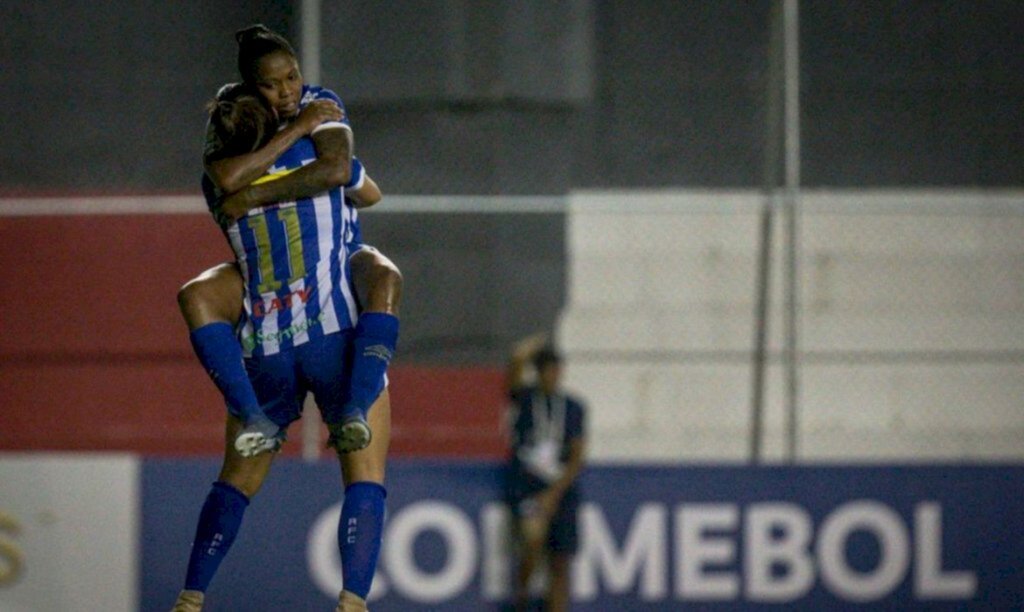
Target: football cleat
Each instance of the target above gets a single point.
(352, 434)
(350, 602)
(260, 435)
(189, 601)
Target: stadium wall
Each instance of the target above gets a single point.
(913, 311)
(94, 356)
(911, 346)
(911, 324)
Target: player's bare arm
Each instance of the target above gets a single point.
(366, 195)
(522, 354)
(234, 173)
(331, 168)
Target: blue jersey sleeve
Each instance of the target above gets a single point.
(354, 235)
(311, 93)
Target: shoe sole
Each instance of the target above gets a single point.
(354, 435)
(254, 443)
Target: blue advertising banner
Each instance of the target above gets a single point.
(651, 538)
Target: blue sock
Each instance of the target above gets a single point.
(220, 353)
(374, 343)
(218, 525)
(359, 535)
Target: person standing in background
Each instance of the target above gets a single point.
(546, 445)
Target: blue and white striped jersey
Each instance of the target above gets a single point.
(293, 257)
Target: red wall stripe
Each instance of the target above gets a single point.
(93, 354)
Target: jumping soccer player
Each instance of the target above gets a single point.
(211, 303)
(298, 332)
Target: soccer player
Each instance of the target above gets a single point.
(546, 431)
(210, 303)
(298, 332)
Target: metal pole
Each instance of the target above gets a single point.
(772, 155)
(760, 331)
(309, 16)
(791, 34)
(309, 23)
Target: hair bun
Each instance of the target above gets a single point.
(251, 32)
(226, 90)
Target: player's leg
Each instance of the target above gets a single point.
(326, 365)
(240, 478)
(221, 516)
(212, 305)
(378, 284)
(377, 280)
(362, 514)
(370, 463)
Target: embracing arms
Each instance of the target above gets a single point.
(332, 167)
(234, 173)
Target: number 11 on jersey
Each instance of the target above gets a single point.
(260, 226)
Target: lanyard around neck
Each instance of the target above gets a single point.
(548, 425)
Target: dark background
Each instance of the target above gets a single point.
(528, 97)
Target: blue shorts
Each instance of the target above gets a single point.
(322, 366)
(563, 534)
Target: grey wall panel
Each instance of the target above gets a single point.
(680, 88)
(461, 96)
(913, 93)
(384, 50)
(109, 96)
(459, 50)
(466, 149)
(474, 282)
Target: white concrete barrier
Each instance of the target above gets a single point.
(911, 324)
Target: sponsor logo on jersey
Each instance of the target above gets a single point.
(276, 303)
(251, 342)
